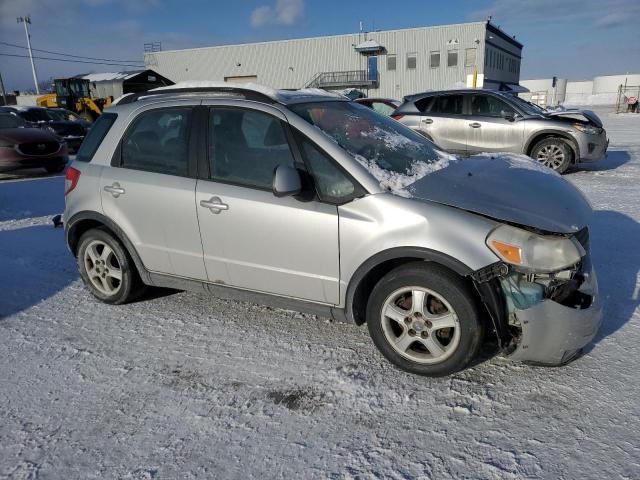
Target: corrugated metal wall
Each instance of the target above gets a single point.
(294, 63)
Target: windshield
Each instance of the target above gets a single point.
(9, 120)
(35, 115)
(526, 107)
(370, 137)
(62, 115)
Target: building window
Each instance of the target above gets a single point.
(391, 62)
(470, 57)
(452, 58)
(412, 59)
(434, 59)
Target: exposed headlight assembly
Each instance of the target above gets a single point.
(588, 129)
(529, 252)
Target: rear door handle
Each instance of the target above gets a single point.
(475, 125)
(115, 189)
(428, 121)
(214, 204)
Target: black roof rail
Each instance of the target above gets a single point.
(248, 94)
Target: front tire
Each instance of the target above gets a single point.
(424, 319)
(554, 153)
(107, 269)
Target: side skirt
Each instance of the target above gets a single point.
(238, 294)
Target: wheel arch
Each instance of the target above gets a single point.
(374, 268)
(82, 222)
(543, 134)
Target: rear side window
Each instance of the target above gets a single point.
(158, 141)
(246, 146)
(383, 108)
(95, 136)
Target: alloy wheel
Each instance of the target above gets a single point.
(103, 268)
(551, 156)
(420, 325)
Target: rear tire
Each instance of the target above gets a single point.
(553, 152)
(438, 336)
(107, 268)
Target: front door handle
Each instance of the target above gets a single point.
(214, 204)
(115, 189)
(428, 121)
(475, 125)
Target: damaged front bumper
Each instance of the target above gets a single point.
(553, 334)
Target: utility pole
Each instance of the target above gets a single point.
(27, 21)
(4, 95)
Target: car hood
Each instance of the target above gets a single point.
(509, 188)
(27, 135)
(581, 115)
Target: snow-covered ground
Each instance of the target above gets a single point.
(188, 386)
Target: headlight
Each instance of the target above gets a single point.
(586, 128)
(530, 252)
(5, 144)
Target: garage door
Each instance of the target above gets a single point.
(242, 79)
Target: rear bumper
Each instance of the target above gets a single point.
(552, 333)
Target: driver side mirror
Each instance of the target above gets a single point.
(286, 181)
(508, 115)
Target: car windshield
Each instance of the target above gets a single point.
(35, 115)
(62, 115)
(369, 136)
(526, 107)
(9, 120)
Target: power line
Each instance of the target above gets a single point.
(72, 61)
(69, 55)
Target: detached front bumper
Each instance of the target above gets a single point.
(552, 333)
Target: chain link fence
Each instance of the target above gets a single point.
(628, 99)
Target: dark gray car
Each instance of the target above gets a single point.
(474, 121)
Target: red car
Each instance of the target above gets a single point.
(22, 147)
(385, 106)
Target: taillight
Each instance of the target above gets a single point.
(71, 179)
(397, 116)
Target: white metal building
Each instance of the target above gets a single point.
(389, 63)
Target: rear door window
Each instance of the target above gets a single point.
(158, 141)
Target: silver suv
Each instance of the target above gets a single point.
(311, 202)
(475, 121)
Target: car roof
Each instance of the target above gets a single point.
(221, 90)
(431, 93)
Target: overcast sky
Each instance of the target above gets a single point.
(575, 39)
